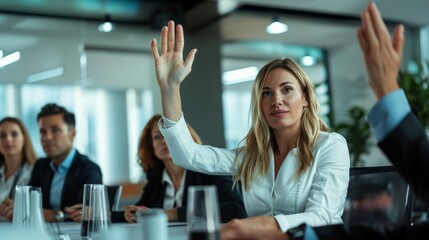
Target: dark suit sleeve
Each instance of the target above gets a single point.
(35, 180)
(153, 191)
(41, 176)
(150, 196)
(407, 148)
(230, 199)
(147, 194)
(91, 174)
(82, 172)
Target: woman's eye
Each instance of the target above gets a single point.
(266, 93)
(287, 89)
(158, 137)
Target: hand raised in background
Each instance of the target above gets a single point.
(382, 54)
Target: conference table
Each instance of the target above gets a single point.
(117, 231)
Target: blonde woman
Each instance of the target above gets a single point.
(292, 170)
(17, 158)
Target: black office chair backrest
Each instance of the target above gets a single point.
(114, 192)
(378, 196)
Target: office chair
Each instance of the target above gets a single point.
(114, 193)
(420, 210)
(378, 196)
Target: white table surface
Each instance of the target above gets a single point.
(117, 231)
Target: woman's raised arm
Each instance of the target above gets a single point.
(170, 68)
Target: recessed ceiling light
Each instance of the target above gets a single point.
(51, 73)
(276, 27)
(239, 75)
(11, 58)
(106, 25)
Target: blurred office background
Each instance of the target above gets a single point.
(54, 51)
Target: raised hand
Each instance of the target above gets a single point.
(170, 68)
(382, 54)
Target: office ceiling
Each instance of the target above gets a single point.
(312, 23)
(238, 18)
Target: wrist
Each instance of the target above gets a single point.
(59, 215)
(169, 88)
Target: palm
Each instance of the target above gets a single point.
(170, 67)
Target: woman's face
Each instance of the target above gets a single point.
(159, 146)
(282, 100)
(11, 139)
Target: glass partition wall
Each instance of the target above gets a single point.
(106, 79)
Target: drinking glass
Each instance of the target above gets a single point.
(21, 208)
(203, 213)
(27, 210)
(154, 224)
(95, 211)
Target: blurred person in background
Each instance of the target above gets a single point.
(17, 158)
(64, 171)
(167, 184)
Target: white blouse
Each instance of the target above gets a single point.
(173, 199)
(316, 197)
(6, 185)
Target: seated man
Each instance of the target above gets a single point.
(64, 171)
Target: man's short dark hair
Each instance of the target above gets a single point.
(54, 109)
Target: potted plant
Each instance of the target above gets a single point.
(416, 88)
(358, 135)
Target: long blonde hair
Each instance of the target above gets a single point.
(259, 139)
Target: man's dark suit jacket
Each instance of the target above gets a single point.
(82, 171)
(230, 200)
(408, 149)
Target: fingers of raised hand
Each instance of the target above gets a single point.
(374, 30)
(378, 23)
(171, 38)
(154, 47)
(190, 59)
(164, 39)
(180, 39)
(398, 39)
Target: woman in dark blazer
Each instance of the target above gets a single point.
(167, 184)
